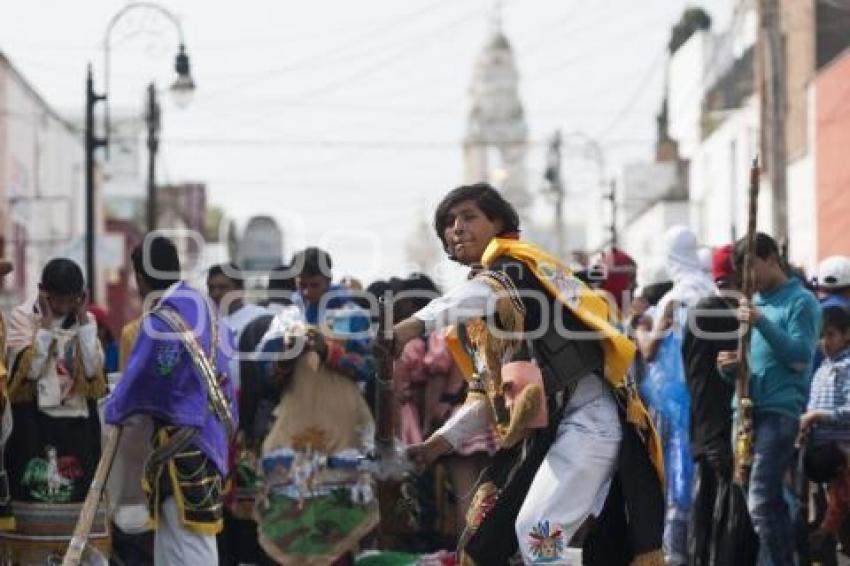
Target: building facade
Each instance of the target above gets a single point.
(42, 186)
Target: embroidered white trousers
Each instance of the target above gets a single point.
(573, 480)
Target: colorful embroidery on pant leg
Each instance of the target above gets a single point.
(546, 542)
(51, 479)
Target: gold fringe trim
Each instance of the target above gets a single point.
(506, 340)
(19, 388)
(638, 416)
(653, 558)
(526, 406)
(501, 344)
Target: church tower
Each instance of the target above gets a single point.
(497, 135)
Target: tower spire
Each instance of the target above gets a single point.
(497, 17)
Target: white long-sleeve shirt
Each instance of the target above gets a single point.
(25, 331)
(472, 299)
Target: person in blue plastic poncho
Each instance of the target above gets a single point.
(664, 387)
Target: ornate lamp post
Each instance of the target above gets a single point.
(182, 91)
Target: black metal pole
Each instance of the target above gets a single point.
(152, 119)
(92, 142)
(613, 197)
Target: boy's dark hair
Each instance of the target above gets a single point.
(489, 200)
(420, 288)
(376, 290)
(281, 278)
(420, 282)
(765, 248)
(229, 270)
(162, 258)
(836, 317)
(822, 462)
(63, 277)
(313, 261)
(653, 293)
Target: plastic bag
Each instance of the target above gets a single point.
(738, 544)
(665, 391)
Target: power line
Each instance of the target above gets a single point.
(634, 98)
(402, 144)
(344, 47)
(345, 81)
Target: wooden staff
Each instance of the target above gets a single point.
(385, 394)
(391, 464)
(84, 523)
(745, 434)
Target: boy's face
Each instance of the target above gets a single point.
(833, 340)
(62, 304)
(469, 231)
(218, 286)
(312, 287)
(763, 273)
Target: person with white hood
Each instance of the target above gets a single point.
(659, 338)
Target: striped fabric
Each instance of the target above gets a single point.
(43, 530)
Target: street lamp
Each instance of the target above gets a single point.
(182, 91)
(555, 189)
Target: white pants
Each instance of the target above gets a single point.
(573, 480)
(175, 546)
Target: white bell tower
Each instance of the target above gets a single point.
(497, 135)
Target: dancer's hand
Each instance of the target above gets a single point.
(44, 309)
(808, 420)
(727, 360)
(316, 343)
(426, 453)
(747, 313)
(80, 311)
(668, 316)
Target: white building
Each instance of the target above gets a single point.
(124, 183)
(714, 119)
(42, 185)
(653, 199)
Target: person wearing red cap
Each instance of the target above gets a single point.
(619, 282)
(711, 414)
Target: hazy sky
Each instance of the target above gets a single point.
(344, 119)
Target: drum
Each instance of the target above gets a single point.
(43, 532)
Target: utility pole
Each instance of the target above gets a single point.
(92, 143)
(774, 111)
(612, 196)
(556, 186)
(152, 118)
